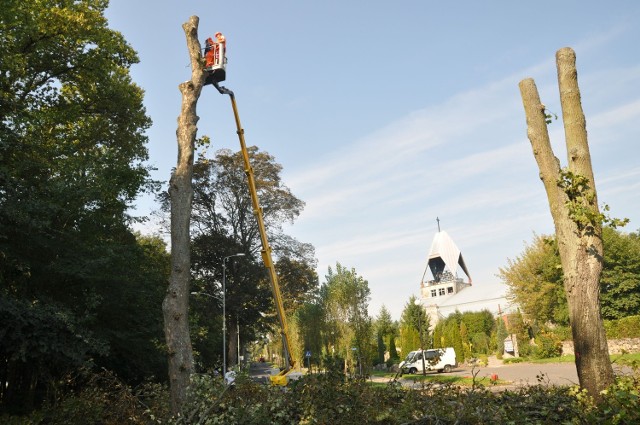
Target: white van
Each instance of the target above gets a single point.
(440, 359)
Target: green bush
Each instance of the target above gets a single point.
(627, 327)
(88, 397)
(333, 398)
(620, 403)
(525, 348)
(563, 333)
(247, 402)
(483, 359)
(481, 343)
(547, 345)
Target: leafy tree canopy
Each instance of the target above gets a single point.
(72, 153)
(223, 224)
(535, 278)
(384, 323)
(72, 141)
(620, 280)
(345, 296)
(535, 282)
(415, 316)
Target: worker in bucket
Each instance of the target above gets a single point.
(215, 58)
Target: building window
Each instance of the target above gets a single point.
(433, 292)
(450, 290)
(441, 291)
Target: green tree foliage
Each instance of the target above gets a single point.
(501, 335)
(345, 296)
(620, 280)
(310, 324)
(381, 349)
(517, 326)
(478, 322)
(547, 345)
(222, 203)
(223, 224)
(129, 314)
(409, 339)
(453, 338)
(299, 286)
(331, 398)
(72, 136)
(414, 319)
(72, 152)
(298, 282)
(438, 337)
(36, 343)
(535, 282)
(466, 341)
(535, 278)
(479, 328)
(393, 351)
(385, 333)
(469, 333)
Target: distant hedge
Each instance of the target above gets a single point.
(627, 327)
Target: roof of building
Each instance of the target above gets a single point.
(477, 293)
(444, 250)
(492, 297)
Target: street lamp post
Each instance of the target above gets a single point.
(238, 334)
(417, 302)
(224, 314)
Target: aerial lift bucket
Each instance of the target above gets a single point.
(215, 59)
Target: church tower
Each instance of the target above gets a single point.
(447, 270)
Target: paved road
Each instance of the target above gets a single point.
(519, 374)
(527, 373)
(516, 374)
(260, 371)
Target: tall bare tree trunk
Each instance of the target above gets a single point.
(175, 306)
(574, 207)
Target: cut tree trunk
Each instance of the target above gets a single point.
(579, 241)
(175, 306)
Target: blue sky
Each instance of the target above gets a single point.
(386, 115)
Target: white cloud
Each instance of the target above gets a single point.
(467, 160)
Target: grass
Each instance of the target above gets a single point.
(561, 359)
(382, 374)
(464, 381)
(624, 359)
(629, 359)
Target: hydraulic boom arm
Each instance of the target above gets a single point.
(266, 249)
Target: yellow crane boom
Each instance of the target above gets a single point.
(281, 378)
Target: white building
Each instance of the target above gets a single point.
(450, 287)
